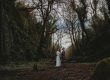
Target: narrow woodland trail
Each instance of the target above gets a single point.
(69, 71)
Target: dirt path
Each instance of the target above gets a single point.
(70, 71)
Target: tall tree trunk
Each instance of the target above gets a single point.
(108, 3)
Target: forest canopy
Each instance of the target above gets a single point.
(27, 27)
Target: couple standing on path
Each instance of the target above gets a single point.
(60, 56)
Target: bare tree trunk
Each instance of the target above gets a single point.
(108, 3)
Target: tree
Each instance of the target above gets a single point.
(18, 35)
(45, 9)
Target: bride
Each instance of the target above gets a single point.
(58, 60)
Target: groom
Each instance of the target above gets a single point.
(62, 54)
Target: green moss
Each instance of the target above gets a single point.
(102, 70)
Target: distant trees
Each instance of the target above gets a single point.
(99, 46)
(75, 16)
(90, 19)
(45, 9)
(26, 29)
(18, 31)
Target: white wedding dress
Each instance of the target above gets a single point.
(58, 60)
